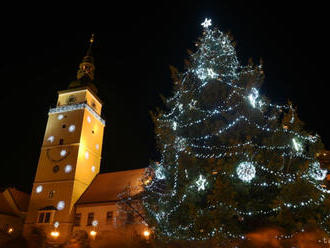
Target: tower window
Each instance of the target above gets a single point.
(63, 126)
(90, 219)
(56, 168)
(41, 218)
(44, 217)
(61, 142)
(51, 194)
(47, 217)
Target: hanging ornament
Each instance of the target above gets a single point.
(297, 146)
(180, 144)
(160, 172)
(246, 171)
(174, 125)
(316, 172)
(201, 183)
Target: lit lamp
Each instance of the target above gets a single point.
(54, 234)
(146, 234)
(10, 230)
(93, 232)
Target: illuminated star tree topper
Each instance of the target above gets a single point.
(206, 23)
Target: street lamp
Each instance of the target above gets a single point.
(54, 234)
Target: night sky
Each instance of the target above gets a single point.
(134, 46)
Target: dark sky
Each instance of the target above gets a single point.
(135, 44)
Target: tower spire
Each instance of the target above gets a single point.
(87, 68)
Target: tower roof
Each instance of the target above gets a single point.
(86, 70)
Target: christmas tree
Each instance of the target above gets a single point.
(231, 161)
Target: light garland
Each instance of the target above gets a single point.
(204, 131)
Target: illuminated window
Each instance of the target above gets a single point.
(90, 219)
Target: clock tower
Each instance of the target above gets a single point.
(70, 155)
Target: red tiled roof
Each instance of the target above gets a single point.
(107, 186)
(21, 199)
(5, 208)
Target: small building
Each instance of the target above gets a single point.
(13, 209)
(101, 212)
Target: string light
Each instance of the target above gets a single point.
(204, 131)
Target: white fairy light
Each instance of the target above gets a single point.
(174, 125)
(68, 168)
(39, 189)
(159, 172)
(97, 146)
(63, 153)
(206, 23)
(95, 223)
(60, 117)
(89, 119)
(60, 205)
(72, 128)
(93, 168)
(180, 144)
(246, 171)
(253, 97)
(316, 172)
(297, 146)
(211, 73)
(56, 224)
(86, 155)
(51, 139)
(201, 183)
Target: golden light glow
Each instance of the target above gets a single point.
(54, 234)
(146, 233)
(93, 233)
(10, 230)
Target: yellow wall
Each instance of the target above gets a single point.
(116, 231)
(83, 148)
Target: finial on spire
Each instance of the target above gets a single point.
(91, 40)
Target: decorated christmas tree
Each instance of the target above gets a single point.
(231, 161)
